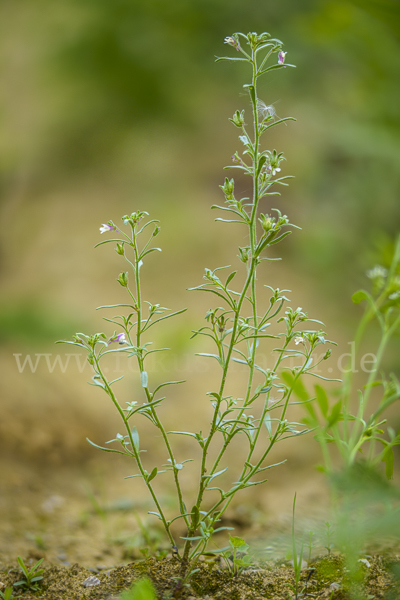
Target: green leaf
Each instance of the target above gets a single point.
(105, 449)
(388, 458)
(156, 514)
(359, 296)
(210, 477)
(280, 238)
(141, 590)
(240, 361)
(322, 399)
(335, 414)
(135, 438)
(177, 312)
(277, 66)
(267, 423)
(23, 567)
(252, 93)
(208, 355)
(230, 277)
(232, 58)
(261, 163)
(144, 379)
(39, 562)
(237, 542)
(195, 516)
(152, 474)
(296, 385)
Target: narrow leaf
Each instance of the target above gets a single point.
(152, 474)
(135, 438)
(322, 399)
(144, 379)
(296, 385)
(105, 449)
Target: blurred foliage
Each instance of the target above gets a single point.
(95, 89)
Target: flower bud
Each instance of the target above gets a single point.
(238, 119)
(283, 221)
(267, 223)
(120, 249)
(123, 279)
(156, 231)
(232, 42)
(228, 186)
(244, 254)
(327, 354)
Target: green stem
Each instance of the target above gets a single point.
(134, 449)
(250, 281)
(140, 360)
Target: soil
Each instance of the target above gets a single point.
(324, 578)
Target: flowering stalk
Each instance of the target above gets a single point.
(236, 329)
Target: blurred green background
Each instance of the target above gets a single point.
(110, 106)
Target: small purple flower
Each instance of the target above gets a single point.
(120, 338)
(281, 57)
(106, 227)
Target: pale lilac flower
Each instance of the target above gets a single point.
(298, 340)
(106, 227)
(281, 57)
(120, 338)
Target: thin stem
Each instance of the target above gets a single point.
(134, 450)
(140, 360)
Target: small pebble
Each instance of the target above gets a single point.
(365, 562)
(91, 581)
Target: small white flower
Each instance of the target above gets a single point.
(106, 227)
(276, 170)
(298, 340)
(394, 296)
(376, 272)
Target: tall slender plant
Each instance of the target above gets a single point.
(235, 329)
